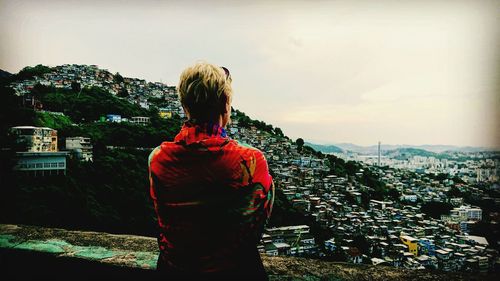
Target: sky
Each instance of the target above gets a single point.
(399, 72)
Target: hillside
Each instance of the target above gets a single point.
(325, 148)
(437, 149)
(408, 152)
(117, 203)
(110, 194)
(4, 73)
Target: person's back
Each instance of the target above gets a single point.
(212, 197)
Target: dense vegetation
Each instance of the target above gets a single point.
(85, 104)
(31, 71)
(109, 194)
(246, 122)
(436, 209)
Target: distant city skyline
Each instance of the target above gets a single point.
(403, 72)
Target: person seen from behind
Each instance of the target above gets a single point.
(212, 195)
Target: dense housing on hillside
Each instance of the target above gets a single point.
(135, 90)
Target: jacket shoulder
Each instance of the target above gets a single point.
(153, 154)
(246, 149)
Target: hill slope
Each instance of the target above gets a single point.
(325, 148)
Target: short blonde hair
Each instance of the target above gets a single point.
(204, 91)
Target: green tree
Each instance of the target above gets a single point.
(89, 104)
(12, 113)
(123, 93)
(360, 242)
(300, 143)
(76, 87)
(278, 132)
(455, 192)
(456, 179)
(336, 165)
(39, 91)
(31, 71)
(436, 209)
(394, 194)
(352, 167)
(118, 78)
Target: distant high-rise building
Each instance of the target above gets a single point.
(378, 160)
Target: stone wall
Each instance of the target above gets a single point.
(32, 252)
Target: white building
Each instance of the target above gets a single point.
(140, 120)
(409, 197)
(465, 213)
(81, 146)
(41, 163)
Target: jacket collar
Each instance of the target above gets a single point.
(192, 132)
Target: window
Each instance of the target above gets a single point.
(61, 164)
(53, 165)
(46, 165)
(38, 165)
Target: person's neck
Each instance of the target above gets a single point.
(219, 121)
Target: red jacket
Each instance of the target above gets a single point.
(212, 197)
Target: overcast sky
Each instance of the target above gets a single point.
(402, 72)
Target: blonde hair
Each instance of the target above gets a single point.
(204, 91)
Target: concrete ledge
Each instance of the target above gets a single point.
(121, 250)
(29, 252)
